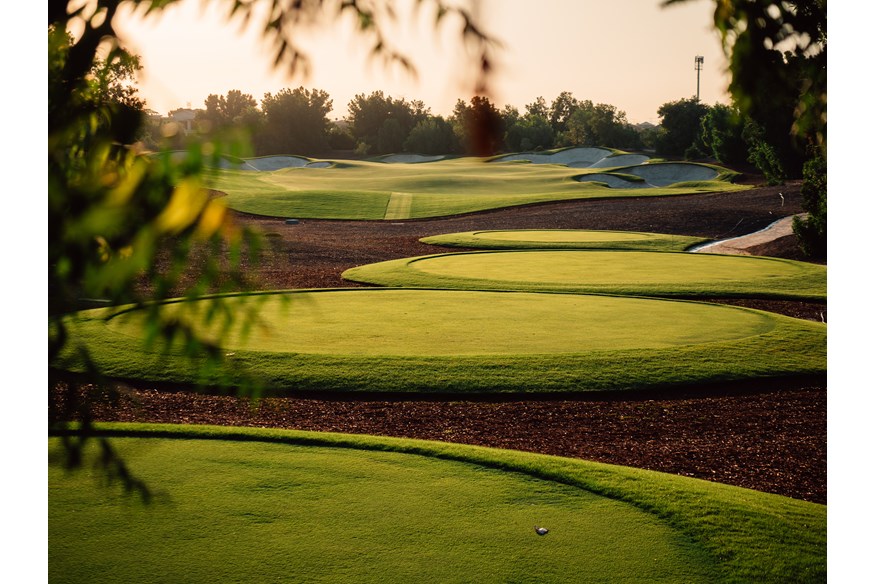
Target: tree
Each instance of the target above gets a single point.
(778, 66)
(479, 126)
(369, 114)
(681, 121)
(234, 110)
(112, 210)
(721, 133)
(561, 110)
(538, 109)
(531, 132)
(434, 135)
(296, 122)
(600, 125)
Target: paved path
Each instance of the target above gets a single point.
(740, 245)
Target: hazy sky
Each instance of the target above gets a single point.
(629, 53)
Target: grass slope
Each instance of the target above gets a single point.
(643, 273)
(564, 239)
(364, 189)
(255, 505)
(459, 341)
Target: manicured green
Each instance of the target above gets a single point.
(256, 505)
(462, 341)
(367, 189)
(564, 239)
(664, 274)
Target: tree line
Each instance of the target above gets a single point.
(296, 121)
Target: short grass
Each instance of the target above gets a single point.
(363, 189)
(627, 272)
(255, 505)
(405, 340)
(564, 239)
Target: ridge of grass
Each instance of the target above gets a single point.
(603, 271)
(400, 340)
(564, 239)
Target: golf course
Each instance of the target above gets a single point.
(530, 314)
(386, 189)
(439, 292)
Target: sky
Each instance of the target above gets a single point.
(632, 54)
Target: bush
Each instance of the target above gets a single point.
(812, 231)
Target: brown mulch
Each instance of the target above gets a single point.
(770, 436)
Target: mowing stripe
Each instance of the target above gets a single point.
(399, 206)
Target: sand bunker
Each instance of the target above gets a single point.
(661, 174)
(667, 173)
(620, 160)
(410, 158)
(613, 181)
(574, 157)
(269, 163)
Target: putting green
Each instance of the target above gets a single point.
(564, 239)
(248, 504)
(603, 271)
(377, 190)
(458, 341)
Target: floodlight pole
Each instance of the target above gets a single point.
(698, 65)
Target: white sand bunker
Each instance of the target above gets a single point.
(614, 181)
(574, 157)
(620, 160)
(667, 173)
(269, 163)
(410, 158)
(661, 174)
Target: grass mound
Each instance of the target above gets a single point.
(257, 505)
(564, 239)
(445, 341)
(641, 273)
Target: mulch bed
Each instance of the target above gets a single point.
(769, 436)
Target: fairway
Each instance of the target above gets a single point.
(393, 191)
(564, 239)
(604, 271)
(234, 504)
(460, 341)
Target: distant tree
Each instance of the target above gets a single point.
(340, 138)
(561, 110)
(538, 108)
(479, 126)
(510, 115)
(296, 122)
(236, 109)
(368, 115)
(681, 122)
(601, 125)
(434, 135)
(722, 134)
(391, 136)
(531, 132)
